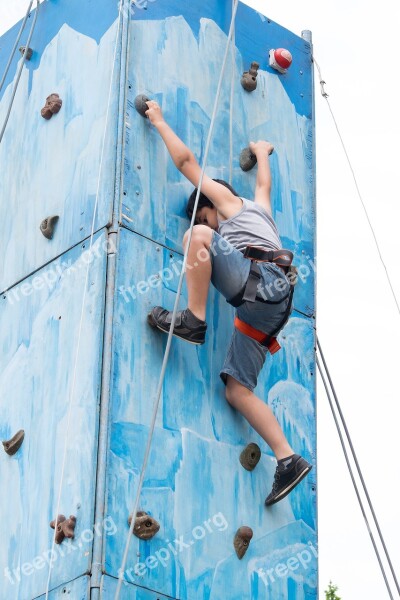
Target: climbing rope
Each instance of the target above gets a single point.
(325, 95)
(233, 48)
(120, 17)
(175, 309)
(16, 44)
(344, 425)
(22, 63)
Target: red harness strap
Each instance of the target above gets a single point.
(263, 338)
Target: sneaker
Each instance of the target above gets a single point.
(289, 472)
(187, 326)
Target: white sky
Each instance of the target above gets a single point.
(355, 44)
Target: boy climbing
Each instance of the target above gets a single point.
(235, 244)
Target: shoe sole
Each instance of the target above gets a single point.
(155, 325)
(287, 490)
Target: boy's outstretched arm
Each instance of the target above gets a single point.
(186, 162)
(262, 150)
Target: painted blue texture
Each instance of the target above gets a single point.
(73, 590)
(39, 322)
(255, 36)
(53, 167)
(194, 486)
(86, 18)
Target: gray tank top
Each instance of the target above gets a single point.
(252, 225)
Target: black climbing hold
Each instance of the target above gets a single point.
(47, 226)
(250, 456)
(52, 107)
(140, 104)
(249, 78)
(145, 526)
(242, 540)
(65, 528)
(247, 159)
(28, 54)
(14, 444)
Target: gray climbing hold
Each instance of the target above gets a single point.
(28, 54)
(250, 457)
(247, 159)
(140, 104)
(145, 526)
(242, 540)
(14, 444)
(47, 226)
(249, 78)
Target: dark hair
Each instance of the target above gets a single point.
(203, 200)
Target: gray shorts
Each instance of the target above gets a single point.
(230, 269)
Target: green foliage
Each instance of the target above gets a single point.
(330, 593)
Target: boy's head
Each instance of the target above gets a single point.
(206, 212)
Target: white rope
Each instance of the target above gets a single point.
(120, 16)
(325, 95)
(231, 103)
(19, 72)
(174, 313)
(16, 44)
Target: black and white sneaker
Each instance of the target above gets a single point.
(289, 472)
(187, 326)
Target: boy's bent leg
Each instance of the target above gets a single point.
(291, 468)
(198, 272)
(259, 415)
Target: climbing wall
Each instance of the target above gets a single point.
(51, 335)
(195, 486)
(99, 165)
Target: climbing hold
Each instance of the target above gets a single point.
(249, 78)
(64, 528)
(140, 104)
(52, 107)
(242, 540)
(145, 526)
(250, 456)
(28, 54)
(14, 444)
(280, 59)
(247, 159)
(47, 226)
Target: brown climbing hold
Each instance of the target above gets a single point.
(242, 540)
(52, 107)
(14, 444)
(249, 78)
(28, 53)
(250, 456)
(65, 528)
(47, 226)
(145, 526)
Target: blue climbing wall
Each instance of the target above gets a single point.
(194, 486)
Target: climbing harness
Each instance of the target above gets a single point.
(21, 66)
(175, 309)
(282, 258)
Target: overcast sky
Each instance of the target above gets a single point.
(355, 44)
